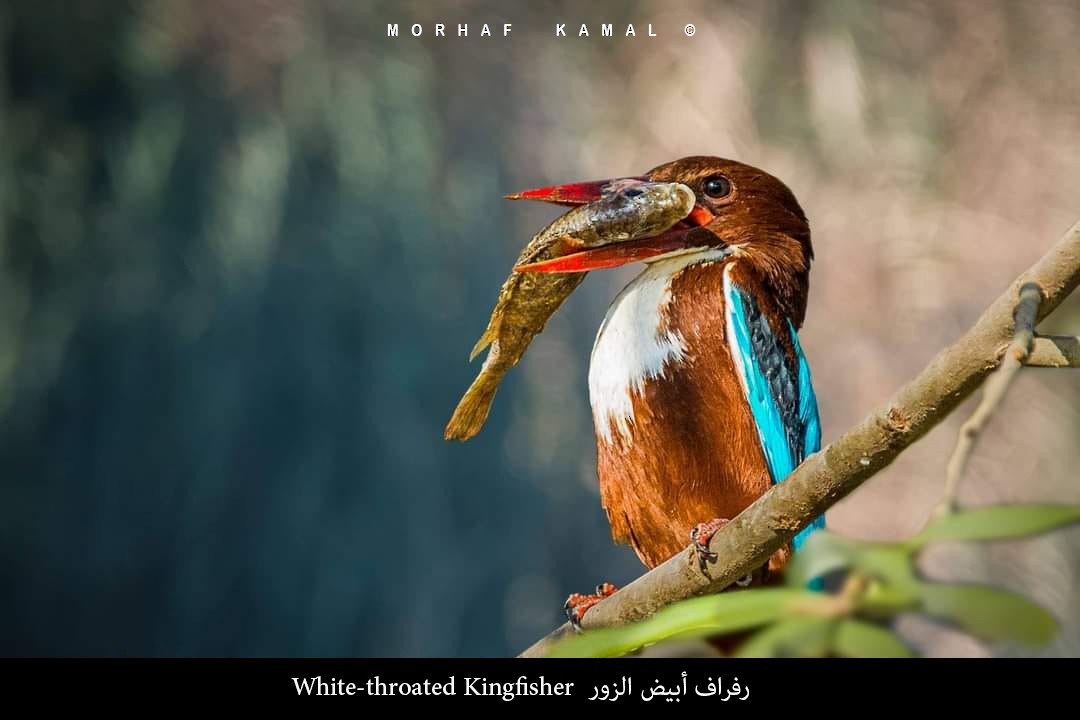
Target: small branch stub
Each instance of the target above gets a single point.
(1055, 352)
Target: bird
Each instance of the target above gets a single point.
(701, 395)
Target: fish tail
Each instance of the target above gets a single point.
(472, 411)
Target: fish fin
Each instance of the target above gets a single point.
(486, 339)
(471, 413)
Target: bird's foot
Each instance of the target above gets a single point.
(700, 536)
(578, 603)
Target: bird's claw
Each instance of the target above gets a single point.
(578, 603)
(700, 535)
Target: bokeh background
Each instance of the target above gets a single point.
(245, 248)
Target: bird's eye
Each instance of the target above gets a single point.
(717, 186)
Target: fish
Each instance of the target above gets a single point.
(628, 210)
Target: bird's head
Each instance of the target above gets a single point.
(740, 211)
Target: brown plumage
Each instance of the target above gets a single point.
(693, 451)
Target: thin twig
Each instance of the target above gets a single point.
(997, 385)
(825, 477)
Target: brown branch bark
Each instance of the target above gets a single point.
(827, 476)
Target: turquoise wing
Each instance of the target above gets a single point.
(782, 401)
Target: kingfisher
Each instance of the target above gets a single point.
(701, 395)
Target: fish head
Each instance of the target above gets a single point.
(648, 208)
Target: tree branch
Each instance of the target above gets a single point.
(829, 475)
(997, 385)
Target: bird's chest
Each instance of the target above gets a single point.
(636, 348)
(677, 444)
(663, 351)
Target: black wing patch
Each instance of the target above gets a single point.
(783, 380)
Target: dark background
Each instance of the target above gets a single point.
(245, 248)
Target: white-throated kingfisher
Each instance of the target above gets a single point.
(701, 395)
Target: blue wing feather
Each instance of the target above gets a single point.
(767, 415)
(784, 407)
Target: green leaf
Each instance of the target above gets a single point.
(884, 600)
(826, 552)
(997, 523)
(711, 615)
(890, 563)
(989, 613)
(859, 639)
(822, 553)
(794, 637)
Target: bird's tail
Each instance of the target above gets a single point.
(472, 411)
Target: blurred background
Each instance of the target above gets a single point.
(245, 248)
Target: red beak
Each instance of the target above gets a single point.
(570, 194)
(617, 253)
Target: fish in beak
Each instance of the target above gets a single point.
(680, 237)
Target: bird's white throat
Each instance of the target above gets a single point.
(630, 347)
